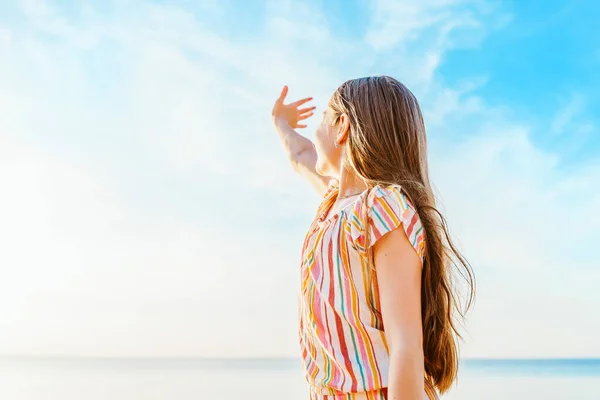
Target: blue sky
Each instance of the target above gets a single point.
(149, 210)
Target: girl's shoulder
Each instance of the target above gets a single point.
(382, 210)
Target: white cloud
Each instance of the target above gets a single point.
(118, 281)
(529, 229)
(415, 36)
(150, 210)
(404, 22)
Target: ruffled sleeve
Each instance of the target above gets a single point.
(387, 209)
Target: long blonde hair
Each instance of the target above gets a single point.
(387, 145)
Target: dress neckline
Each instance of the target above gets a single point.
(328, 204)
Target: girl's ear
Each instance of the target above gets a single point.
(343, 128)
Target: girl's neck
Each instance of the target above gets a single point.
(350, 184)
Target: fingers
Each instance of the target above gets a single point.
(283, 93)
(305, 113)
(301, 126)
(304, 116)
(300, 102)
(305, 110)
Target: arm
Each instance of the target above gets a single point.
(301, 154)
(398, 270)
(299, 150)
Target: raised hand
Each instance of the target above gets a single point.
(300, 150)
(291, 113)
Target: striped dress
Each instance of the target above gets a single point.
(343, 343)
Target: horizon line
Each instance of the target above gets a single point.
(257, 358)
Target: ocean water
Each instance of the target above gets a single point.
(270, 379)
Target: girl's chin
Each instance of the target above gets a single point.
(319, 167)
(323, 170)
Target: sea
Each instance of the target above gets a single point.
(28, 378)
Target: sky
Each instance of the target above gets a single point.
(147, 209)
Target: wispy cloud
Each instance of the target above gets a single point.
(567, 114)
(403, 22)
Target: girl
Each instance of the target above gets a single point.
(377, 302)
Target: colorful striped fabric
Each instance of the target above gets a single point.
(381, 394)
(343, 343)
